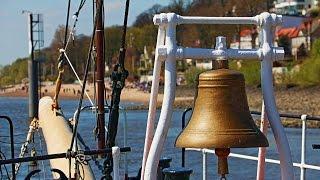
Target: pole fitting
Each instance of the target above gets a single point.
(221, 46)
(267, 18)
(278, 53)
(166, 18)
(304, 117)
(273, 53)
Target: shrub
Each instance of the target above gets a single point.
(192, 75)
(309, 73)
(315, 51)
(250, 70)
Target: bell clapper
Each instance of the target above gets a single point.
(222, 154)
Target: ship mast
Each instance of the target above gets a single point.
(100, 65)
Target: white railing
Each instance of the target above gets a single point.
(168, 51)
(123, 111)
(302, 165)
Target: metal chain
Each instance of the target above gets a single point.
(23, 151)
(24, 148)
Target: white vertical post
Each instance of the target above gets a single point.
(303, 146)
(153, 99)
(262, 150)
(204, 165)
(125, 137)
(268, 22)
(116, 164)
(167, 104)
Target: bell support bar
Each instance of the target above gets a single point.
(172, 18)
(200, 53)
(168, 51)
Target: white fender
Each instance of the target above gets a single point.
(57, 135)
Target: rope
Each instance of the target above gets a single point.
(75, 73)
(61, 58)
(55, 104)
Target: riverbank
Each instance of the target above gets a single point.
(296, 100)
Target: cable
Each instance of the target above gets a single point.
(78, 78)
(85, 79)
(5, 167)
(67, 24)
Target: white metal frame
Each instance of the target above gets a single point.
(302, 165)
(168, 51)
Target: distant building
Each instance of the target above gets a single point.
(294, 7)
(145, 63)
(204, 64)
(297, 39)
(248, 40)
(293, 35)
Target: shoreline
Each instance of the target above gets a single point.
(295, 100)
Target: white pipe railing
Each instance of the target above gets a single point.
(302, 165)
(167, 106)
(262, 150)
(125, 140)
(116, 162)
(153, 99)
(165, 18)
(303, 146)
(283, 147)
(170, 53)
(204, 165)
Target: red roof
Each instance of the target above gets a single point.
(289, 32)
(245, 32)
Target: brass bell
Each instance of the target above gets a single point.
(221, 118)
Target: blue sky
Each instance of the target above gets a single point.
(14, 28)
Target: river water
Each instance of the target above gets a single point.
(17, 109)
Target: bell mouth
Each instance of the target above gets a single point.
(189, 139)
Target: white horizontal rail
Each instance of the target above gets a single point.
(218, 20)
(199, 53)
(254, 158)
(224, 53)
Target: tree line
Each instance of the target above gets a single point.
(142, 33)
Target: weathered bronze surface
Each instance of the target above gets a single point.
(221, 116)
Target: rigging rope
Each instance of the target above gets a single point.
(75, 73)
(61, 58)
